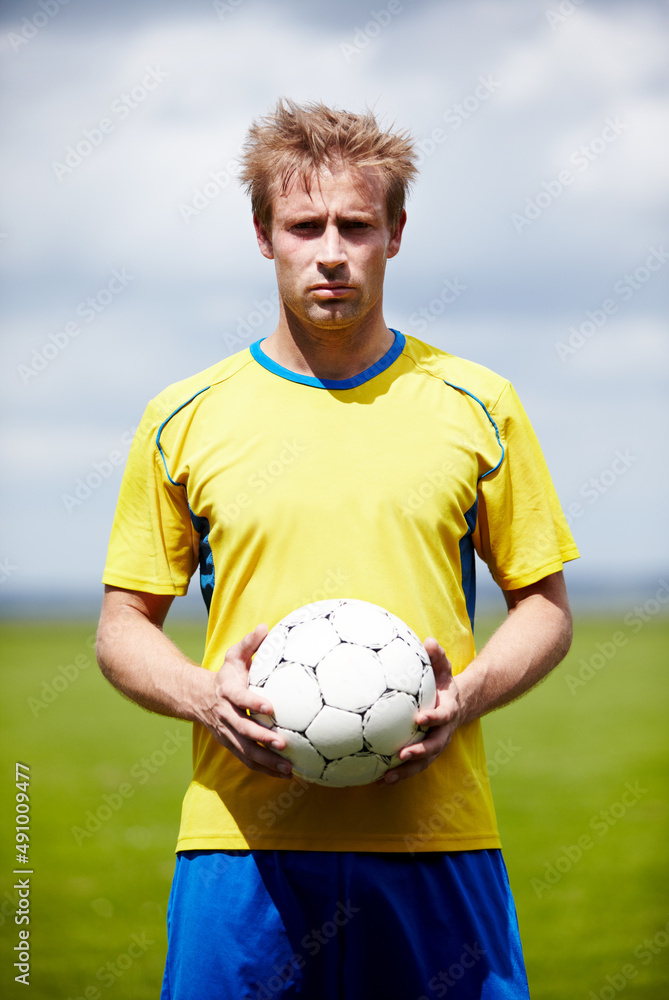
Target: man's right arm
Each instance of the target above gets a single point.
(139, 660)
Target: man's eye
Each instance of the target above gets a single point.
(304, 225)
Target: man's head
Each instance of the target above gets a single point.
(295, 142)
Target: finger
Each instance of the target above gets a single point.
(443, 712)
(236, 720)
(282, 770)
(433, 744)
(243, 650)
(254, 756)
(404, 771)
(440, 662)
(244, 698)
(257, 756)
(250, 729)
(233, 676)
(417, 757)
(445, 706)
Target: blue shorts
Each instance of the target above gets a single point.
(262, 925)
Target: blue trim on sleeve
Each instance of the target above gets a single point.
(328, 383)
(467, 557)
(166, 421)
(485, 410)
(200, 524)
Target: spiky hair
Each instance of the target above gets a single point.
(299, 139)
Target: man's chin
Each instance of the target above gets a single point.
(333, 316)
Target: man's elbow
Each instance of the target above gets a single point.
(564, 630)
(567, 631)
(102, 648)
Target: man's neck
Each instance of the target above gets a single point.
(328, 353)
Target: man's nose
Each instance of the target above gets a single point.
(331, 251)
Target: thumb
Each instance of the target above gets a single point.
(443, 675)
(441, 665)
(241, 653)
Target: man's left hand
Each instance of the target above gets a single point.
(443, 720)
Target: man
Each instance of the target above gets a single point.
(335, 458)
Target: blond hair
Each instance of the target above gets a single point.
(298, 140)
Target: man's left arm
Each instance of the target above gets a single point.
(534, 638)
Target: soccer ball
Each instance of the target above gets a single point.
(346, 680)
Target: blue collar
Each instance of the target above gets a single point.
(328, 383)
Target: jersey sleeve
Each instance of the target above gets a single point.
(153, 545)
(521, 532)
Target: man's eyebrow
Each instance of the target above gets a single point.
(313, 215)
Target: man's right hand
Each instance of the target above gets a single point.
(138, 658)
(224, 711)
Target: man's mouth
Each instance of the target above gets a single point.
(332, 289)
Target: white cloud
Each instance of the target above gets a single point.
(196, 283)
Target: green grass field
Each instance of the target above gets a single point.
(579, 776)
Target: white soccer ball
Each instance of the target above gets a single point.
(346, 680)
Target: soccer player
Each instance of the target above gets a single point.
(335, 458)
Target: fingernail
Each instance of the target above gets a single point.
(285, 768)
(392, 778)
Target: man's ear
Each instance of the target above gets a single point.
(396, 238)
(264, 241)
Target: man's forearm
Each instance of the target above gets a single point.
(137, 657)
(532, 640)
(139, 660)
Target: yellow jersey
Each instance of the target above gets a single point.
(288, 489)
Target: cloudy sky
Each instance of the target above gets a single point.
(129, 259)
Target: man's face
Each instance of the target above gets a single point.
(330, 245)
